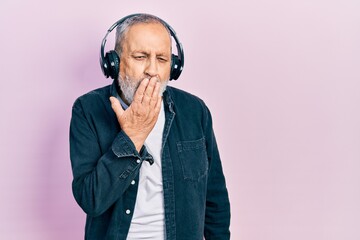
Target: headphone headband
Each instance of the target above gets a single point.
(110, 61)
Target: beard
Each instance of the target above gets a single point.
(128, 87)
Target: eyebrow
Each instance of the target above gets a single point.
(142, 52)
(147, 54)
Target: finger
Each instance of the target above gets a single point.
(149, 91)
(158, 105)
(116, 106)
(139, 94)
(155, 95)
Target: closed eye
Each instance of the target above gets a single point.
(141, 57)
(161, 59)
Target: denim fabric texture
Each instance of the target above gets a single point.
(105, 161)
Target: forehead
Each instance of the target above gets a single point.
(147, 37)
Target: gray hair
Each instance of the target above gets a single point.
(123, 28)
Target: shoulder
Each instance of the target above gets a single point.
(185, 99)
(189, 108)
(93, 98)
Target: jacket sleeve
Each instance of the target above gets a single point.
(100, 179)
(217, 213)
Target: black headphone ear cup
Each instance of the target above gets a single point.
(175, 67)
(113, 62)
(104, 62)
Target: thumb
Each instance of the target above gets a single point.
(116, 106)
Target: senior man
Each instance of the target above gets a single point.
(144, 156)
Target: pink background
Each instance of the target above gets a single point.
(281, 77)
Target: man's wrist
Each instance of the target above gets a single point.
(137, 140)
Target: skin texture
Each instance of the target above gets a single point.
(145, 58)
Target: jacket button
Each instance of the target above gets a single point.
(132, 182)
(127, 211)
(138, 161)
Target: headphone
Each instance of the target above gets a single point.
(110, 62)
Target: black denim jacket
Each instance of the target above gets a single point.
(104, 163)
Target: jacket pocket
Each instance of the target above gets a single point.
(193, 159)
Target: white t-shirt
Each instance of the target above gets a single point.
(148, 221)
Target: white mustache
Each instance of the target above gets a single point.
(129, 86)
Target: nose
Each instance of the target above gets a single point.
(151, 69)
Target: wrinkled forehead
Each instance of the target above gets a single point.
(149, 27)
(153, 35)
